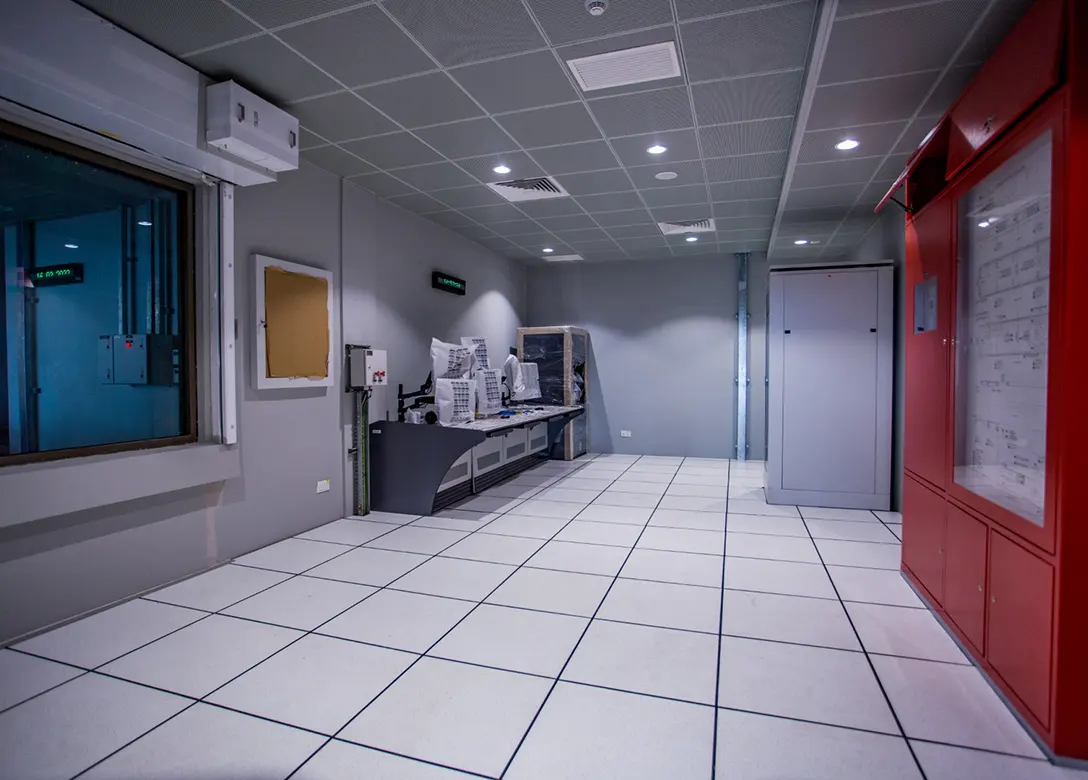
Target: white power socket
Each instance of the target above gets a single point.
(324, 485)
(625, 434)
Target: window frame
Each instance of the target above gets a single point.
(186, 294)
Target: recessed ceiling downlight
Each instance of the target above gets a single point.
(801, 241)
(144, 223)
(657, 149)
(501, 169)
(71, 246)
(846, 144)
(665, 176)
(547, 250)
(691, 239)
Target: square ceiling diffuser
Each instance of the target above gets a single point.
(627, 66)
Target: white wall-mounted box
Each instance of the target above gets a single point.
(248, 127)
(367, 368)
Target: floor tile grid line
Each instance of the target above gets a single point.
(424, 654)
(721, 624)
(85, 671)
(887, 525)
(82, 673)
(302, 635)
(297, 639)
(868, 658)
(566, 663)
(203, 699)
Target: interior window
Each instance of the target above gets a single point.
(96, 347)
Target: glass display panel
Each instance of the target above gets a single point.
(1001, 352)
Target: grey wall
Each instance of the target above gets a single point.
(389, 303)
(663, 338)
(887, 241)
(381, 257)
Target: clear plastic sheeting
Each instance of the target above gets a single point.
(489, 391)
(452, 361)
(455, 401)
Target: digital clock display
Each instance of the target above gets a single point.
(50, 275)
(450, 284)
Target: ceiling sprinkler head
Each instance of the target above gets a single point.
(596, 7)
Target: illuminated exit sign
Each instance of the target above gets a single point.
(51, 275)
(450, 284)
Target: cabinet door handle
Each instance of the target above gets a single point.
(980, 589)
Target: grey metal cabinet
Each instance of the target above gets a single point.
(831, 350)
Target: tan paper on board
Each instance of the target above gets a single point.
(296, 311)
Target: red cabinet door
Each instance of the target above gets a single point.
(1019, 626)
(965, 574)
(923, 535)
(1023, 68)
(928, 272)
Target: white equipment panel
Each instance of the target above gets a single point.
(830, 346)
(368, 368)
(246, 126)
(538, 437)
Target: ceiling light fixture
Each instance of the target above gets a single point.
(144, 223)
(801, 241)
(984, 223)
(665, 176)
(71, 246)
(547, 250)
(503, 169)
(657, 149)
(691, 239)
(846, 144)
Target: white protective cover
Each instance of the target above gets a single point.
(480, 344)
(452, 361)
(455, 401)
(530, 378)
(489, 391)
(523, 379)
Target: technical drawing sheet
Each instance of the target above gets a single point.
(1004, 306)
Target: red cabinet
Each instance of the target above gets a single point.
(1019, 635)
(928, 278)
(923, 535)
(994, 457)
(965, 576)
(1024, 68)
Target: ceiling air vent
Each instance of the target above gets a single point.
(691, 226)
(529, 189)
(627, 66)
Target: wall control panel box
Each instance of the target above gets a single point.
(367, 368)
(139, 359)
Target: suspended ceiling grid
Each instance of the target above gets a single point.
(418, 100)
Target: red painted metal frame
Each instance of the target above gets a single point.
(1062, 543)
(1050, 116)
(1070, 716)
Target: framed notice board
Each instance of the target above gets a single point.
(294, 325)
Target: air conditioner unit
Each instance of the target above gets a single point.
(248, 127)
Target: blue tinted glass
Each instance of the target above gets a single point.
(92, 310)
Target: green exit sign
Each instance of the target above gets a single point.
(51, 275)
(450, 284)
